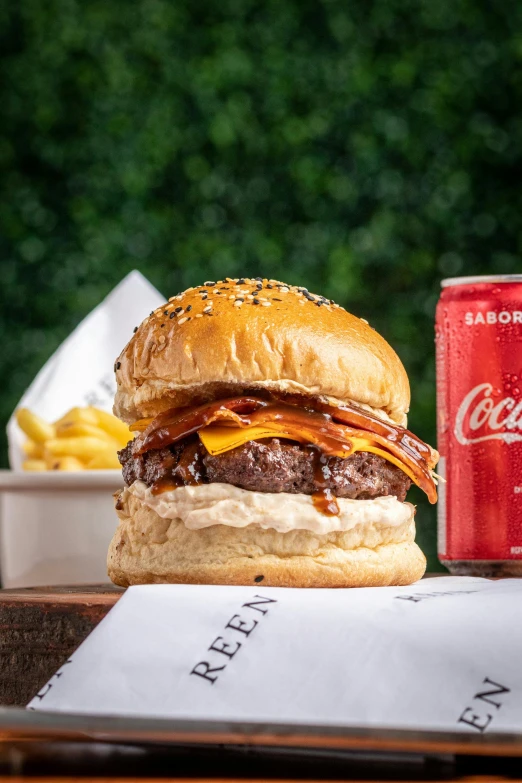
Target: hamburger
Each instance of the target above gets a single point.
(270, 445)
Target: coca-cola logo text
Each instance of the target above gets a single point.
(481, 417)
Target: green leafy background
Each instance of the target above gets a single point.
(364, 150)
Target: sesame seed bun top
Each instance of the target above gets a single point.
(225, 337)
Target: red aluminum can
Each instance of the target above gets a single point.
(478, 337)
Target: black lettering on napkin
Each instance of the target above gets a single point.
(239, 625)
(223, 647)
(255, 604)
(228, 645)
(207, 670)
(472, 716)
(418, 597)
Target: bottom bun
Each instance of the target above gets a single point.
(149, 549)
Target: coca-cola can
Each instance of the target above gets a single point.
(478, 337)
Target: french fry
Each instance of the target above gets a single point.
(33, 450)
(34, 464)
(105, 460)
(72, 429)
(114, 427)
(77, 415)
(65, 463)
(84, 448)
(82, 438)
(34, 426)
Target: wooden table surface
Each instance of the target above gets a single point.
(82, 779)
(40, 628)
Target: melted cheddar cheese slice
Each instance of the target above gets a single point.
(218, 439)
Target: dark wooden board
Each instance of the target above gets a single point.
(40, 628)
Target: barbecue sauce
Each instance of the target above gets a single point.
(324, 499)
(187, 472)
(326, 502)
(325, 429)
(315, 428)
(328, 428)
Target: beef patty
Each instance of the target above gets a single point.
(268, 466)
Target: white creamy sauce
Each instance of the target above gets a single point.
(223, 504)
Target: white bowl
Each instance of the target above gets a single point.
(55, 528)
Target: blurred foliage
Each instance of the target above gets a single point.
(364, 150)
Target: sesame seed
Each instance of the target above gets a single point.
(232, 296)
(135, 329)
(215, 291)
(266, 304)
(269, 285)
(274, 299)
(162, 338)
(203, 291)
(319, 304)
(249, 296)
(189, 308)
(165, 312)
(210, 283)
(238, 303)
(284, 290)
(178, 309)
(161, 326)
(182, 321)
(364, 320)
(145, 371)
(172, 315)
(204, 297)
(259, 278)
(199, 315)
(241, 281)
(118, 365)
(207, 309)
(256, 301)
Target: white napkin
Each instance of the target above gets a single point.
(444, 653)
(81, 371)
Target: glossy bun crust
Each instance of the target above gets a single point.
(226, 337)
(148, 549)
